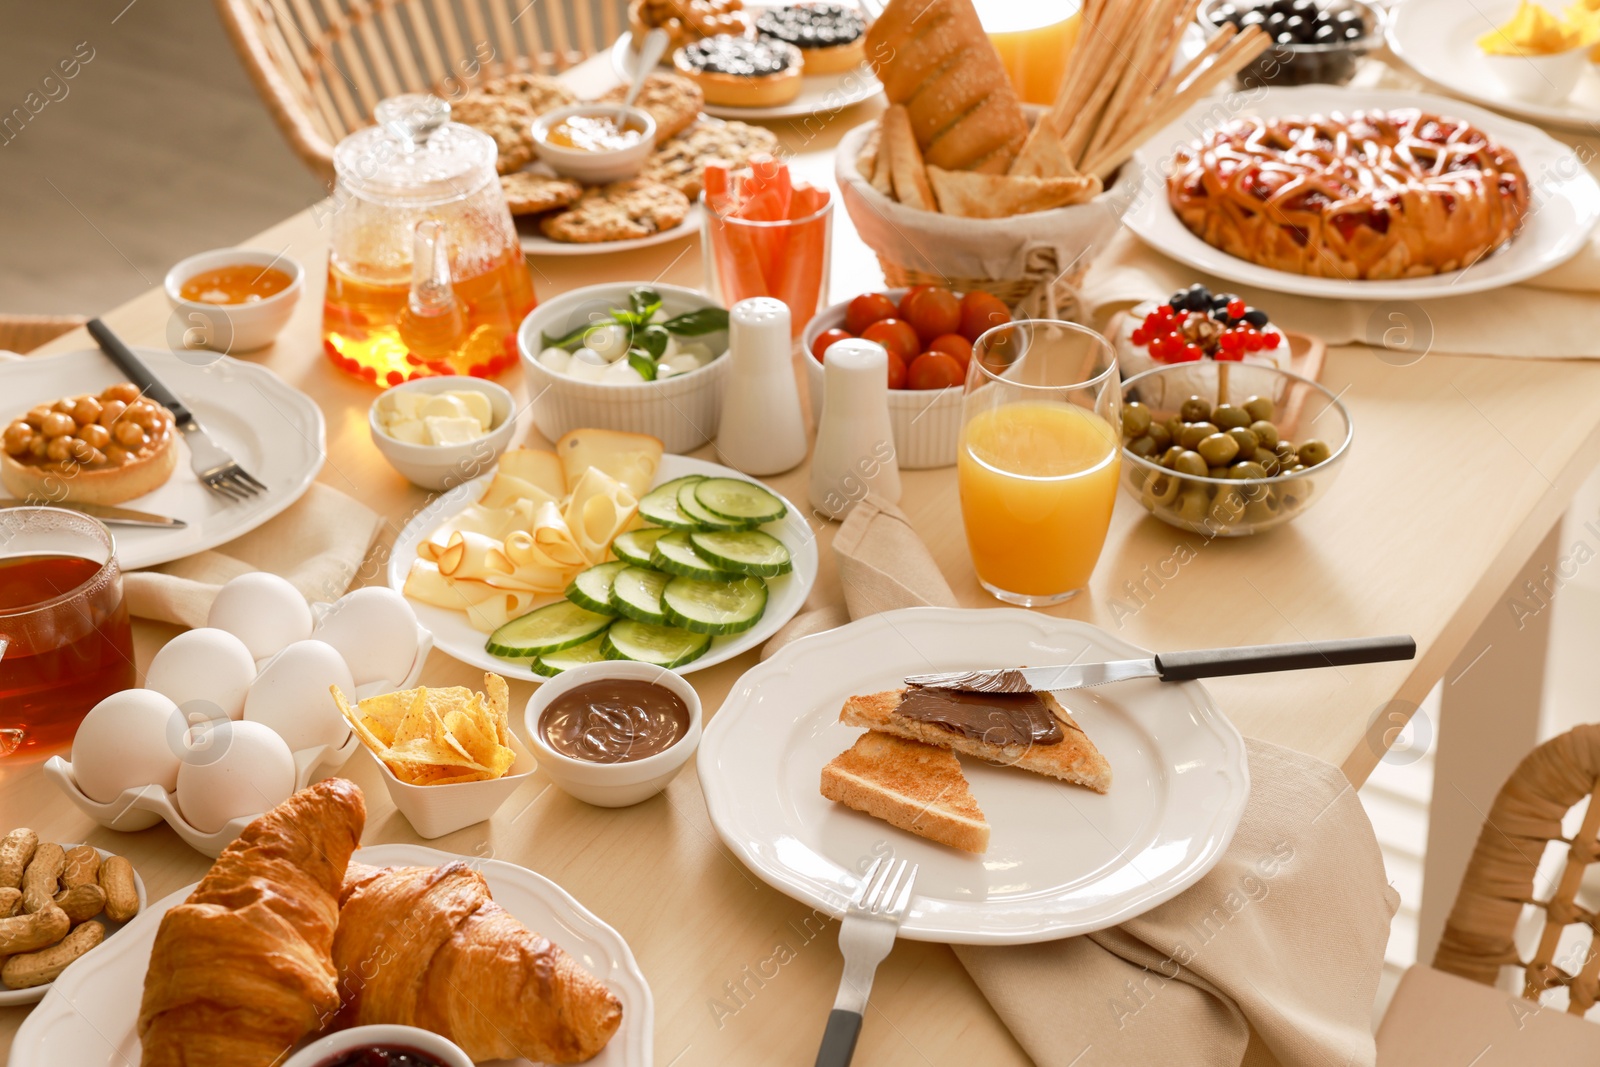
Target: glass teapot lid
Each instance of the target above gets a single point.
(415, 153)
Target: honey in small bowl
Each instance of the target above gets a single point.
(594, 133)
(244, 283)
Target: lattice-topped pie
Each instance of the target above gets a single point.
(1373, 194)
(95, 449)
(686, 20)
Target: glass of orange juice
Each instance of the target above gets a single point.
(1033, 41)
(1039, 457)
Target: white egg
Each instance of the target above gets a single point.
(375, 630)
(205, 671)
(232, 769)
(556, 359)
(128, 740)
(291, 696)
(262, 610)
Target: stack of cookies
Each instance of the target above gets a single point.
(657, 199)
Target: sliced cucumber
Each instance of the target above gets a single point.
(739, 501)
(691, 508)
(547, 629)
(660, 505)
(636, 593)
(553, 663)
(743, 551)
(635, 545)
(592, 588)
(715, 607)
(675, 555)
(665, 646)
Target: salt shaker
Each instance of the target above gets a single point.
(855, 445)
(762, 429)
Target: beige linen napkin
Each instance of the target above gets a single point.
(317, 544)
(1285, 936)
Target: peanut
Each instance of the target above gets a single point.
(24, 933)
(16, 850)
(81, 902)
(10, 901)
(37, 968)
(82, 867)
(122, 898)
(41, 879)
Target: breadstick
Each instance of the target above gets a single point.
(1143, 76)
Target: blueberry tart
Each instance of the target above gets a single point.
(830, 36)
(742, 71)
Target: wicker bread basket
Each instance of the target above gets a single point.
(1033, 262)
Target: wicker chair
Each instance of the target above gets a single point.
(24, 333)
(321, 65)
(1451, 1012)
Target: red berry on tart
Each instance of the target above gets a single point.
(1195, 324)
(741, 71)
(93, 449)
(830, 36)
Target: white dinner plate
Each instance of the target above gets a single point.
(1062, 860)
(453, 634)
(89, 1018)
(820, 94)
(273, 430)
(1565, 208)
(1439, 40)
(535, 243)
(12, 997)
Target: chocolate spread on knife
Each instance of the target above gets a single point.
(614, 720)
(996, 718)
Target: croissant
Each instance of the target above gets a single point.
(243, 969)
(426, 946)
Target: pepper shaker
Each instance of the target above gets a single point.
(855, 444)
(762, 429)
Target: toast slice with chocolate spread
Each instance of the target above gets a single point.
(1032, 731)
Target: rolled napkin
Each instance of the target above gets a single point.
(1285, 936)
(883, 565)
(317, 544)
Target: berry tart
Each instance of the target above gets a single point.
(1195, 324)
(830, 36)
(742, 71)
(93, 449)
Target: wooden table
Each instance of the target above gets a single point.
(1461, 467)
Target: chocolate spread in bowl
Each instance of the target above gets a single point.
(614, 720)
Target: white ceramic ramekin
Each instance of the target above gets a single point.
(446, 466)
(613, 785)
(232, 328)
(383, 1035)
(595, 168)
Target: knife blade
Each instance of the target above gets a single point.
(1177, 666)
(103, 512)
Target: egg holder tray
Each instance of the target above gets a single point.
(141, 807)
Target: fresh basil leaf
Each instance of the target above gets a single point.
(644, 302)
(696, 323)
(643, 362)
(653, 339)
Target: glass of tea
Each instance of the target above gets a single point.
(65, 641)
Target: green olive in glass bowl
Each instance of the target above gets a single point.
(1301, 433)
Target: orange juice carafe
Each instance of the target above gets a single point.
(425, 272)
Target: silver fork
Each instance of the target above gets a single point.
(865, 937)
(216, 469)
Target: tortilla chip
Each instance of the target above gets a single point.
(384, 714)
(996, 196)
(443, 736)
(499, 703)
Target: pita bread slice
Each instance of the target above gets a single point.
(905, 160)
(998, 196)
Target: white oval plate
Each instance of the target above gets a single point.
(453, 634)
(1439, 40)
(92, 1016)
(11, 997)
(820, 94)
(1565, 209)
(537, 244)
(1062, 860)
(271, 428)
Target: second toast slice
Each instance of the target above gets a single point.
(910, 785)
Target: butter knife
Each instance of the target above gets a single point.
(103, 512)
(1177, 666)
